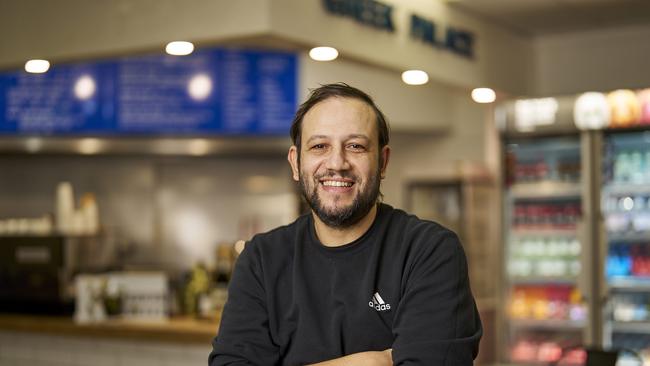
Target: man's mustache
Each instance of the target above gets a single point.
(336, 174)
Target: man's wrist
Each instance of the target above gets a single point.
(369, 358)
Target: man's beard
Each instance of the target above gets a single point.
(342, 217)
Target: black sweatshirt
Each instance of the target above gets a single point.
(402, 285)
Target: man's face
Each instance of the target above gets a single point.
(338, 168)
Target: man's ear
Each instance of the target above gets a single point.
(385, 156)
(292, 157)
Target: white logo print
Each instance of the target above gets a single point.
(378, 303)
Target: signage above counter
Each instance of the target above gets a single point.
(379, 15)
(617, 109)
(211, 92)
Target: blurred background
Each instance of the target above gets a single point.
(143, 142)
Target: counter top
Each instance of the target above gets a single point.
(177, 330)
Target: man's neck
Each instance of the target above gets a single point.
(332, 237)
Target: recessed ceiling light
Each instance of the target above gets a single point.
(179, 48)
(198, 147)
(89, 146)
(37, 66)
(415, 77)
(34, 144)
(323, 53)
(483, 95)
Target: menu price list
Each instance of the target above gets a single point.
(66, 98)
(213, 91)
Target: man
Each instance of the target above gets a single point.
(355, 282)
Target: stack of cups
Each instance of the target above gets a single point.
(64, 207)
(84, 221)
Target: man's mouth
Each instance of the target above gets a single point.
(336, 183)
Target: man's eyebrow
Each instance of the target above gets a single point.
(348, 137)
(358, 136)
(315, 137)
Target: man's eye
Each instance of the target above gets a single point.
(318, 146)
(356, 147)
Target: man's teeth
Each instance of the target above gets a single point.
(333, 183)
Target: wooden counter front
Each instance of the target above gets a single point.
(177, 330)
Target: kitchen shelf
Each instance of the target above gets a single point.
(546, 190)
(549, 324)
(179, 330)
(629, 283)
(617, 189)
(631, 327)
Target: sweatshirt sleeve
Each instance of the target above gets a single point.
(436, 322)
(244, 337)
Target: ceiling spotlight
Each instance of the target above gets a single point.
(483, 95)
(415, 77)
(199, 147)
(323, 53)
(37, 66)
(179, 48)
(89, 146)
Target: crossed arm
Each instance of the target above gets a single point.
(370, 358)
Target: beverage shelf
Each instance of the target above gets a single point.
(629, 283)
(546, 189)
(630, 236)
(545, 232)
(631, 327)
(538, 280)
(618, 189)
(549, 324)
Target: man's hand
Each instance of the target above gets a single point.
(370, 358)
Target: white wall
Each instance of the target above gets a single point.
(437, 156)
(423, 108)
(434, 125)
(76, 30)
(600, 60)
(79, 29)
(503, 59)
(163, 212)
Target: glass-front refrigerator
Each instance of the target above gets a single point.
(625, 206)
(546, 315)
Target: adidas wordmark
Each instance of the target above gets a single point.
(378, 303)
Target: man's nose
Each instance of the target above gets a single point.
(337, 160)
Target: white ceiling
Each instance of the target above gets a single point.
(542, 17)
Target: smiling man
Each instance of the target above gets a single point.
(354, 282)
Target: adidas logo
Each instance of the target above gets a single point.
(378, 303)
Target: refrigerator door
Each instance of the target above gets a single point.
(546, 315)
(625, 205)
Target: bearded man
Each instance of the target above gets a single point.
(355, 281)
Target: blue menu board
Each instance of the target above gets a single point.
(211, 92)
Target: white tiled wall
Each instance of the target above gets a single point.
(22, 349)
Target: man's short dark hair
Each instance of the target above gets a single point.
(341, 90)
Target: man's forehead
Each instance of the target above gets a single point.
(343, 115)
(343, 103)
